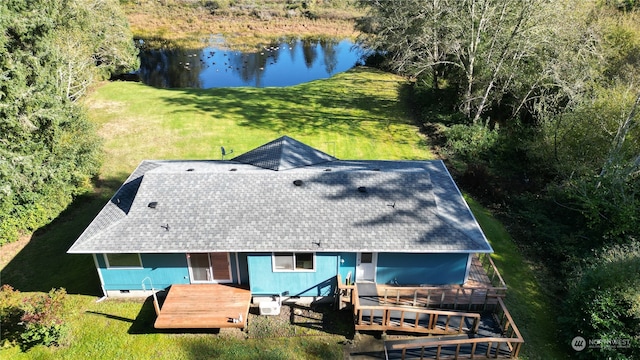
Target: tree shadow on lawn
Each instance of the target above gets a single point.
(146, 318)
(44, 264)
(144, 321)
(323, 317)
(307, 109)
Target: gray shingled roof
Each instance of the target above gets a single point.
(207, 206)
(282, 154)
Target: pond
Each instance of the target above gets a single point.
(280, 63)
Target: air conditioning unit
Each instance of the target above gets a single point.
(270, 307)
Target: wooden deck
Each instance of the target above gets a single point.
(480, 292)
(504, 341)
(204, 306)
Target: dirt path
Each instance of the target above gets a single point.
(9, 251)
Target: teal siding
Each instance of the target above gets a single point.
(265, 281)
(256, 270)
(347, 264)
(415, 269)
(163, 269)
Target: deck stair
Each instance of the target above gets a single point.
(495, 337)
(469, 321)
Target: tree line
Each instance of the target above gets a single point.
(51, 52)
(541, 101)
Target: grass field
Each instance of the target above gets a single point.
(526, 300)
(354, 115)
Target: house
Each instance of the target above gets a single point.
(283, 218)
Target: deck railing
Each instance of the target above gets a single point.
(492, 271)
(417, 320)
(344, 293)
(507, 346)
(432, 297)
(450, 297)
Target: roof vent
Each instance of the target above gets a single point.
(190, 169)
(362, 189)
(153, 204)
(297, 182)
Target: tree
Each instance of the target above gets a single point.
(48, 149)
(604, 304)
(493, 44)
(417, 35)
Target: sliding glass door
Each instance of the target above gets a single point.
(209, 267)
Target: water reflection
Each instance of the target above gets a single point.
(281, 63)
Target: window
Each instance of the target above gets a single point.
(293, 261)
(123, 260)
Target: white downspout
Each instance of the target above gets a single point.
(104, 292)
(466, 273)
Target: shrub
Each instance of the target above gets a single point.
(10, 314)
(604, 304)
(42, 319)
(33, 319)
(471, 142)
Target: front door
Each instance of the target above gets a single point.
(209, 267)
(366, 267)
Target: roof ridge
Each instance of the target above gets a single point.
(284, 153)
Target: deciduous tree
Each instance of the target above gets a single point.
(50, 52)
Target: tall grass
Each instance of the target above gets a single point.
(240, 22)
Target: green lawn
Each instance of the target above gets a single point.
(529, 306)
(354, 115)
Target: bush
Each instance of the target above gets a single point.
(10, 314)
(471, 142)
(42, 319)
(32, 320)
(603, 304)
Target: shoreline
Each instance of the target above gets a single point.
(188, 26)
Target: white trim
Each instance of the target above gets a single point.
(95, 261)
(466, 273)
(466, 205)
(238, 269)
(374, 263)
(293, 257)
(209, 270)
(106, 260)
(191, 279)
